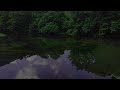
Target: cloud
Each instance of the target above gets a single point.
(27, 73)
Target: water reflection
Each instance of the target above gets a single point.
(36, 67)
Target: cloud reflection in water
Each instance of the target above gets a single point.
(36, 67)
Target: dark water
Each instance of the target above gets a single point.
(36, 67)
(87, 59)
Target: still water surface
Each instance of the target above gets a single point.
(36, 67)
(59, 58)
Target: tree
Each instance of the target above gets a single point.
(19, 23)
(4, 21)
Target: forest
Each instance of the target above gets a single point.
(78, 24)
(66, 42)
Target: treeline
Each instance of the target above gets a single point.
(95, 24)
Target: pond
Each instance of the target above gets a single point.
(43, 58)
(36, 67)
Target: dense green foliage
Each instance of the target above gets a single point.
(71, 23)
(17, 25)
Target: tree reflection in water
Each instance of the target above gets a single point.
(36, 67)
